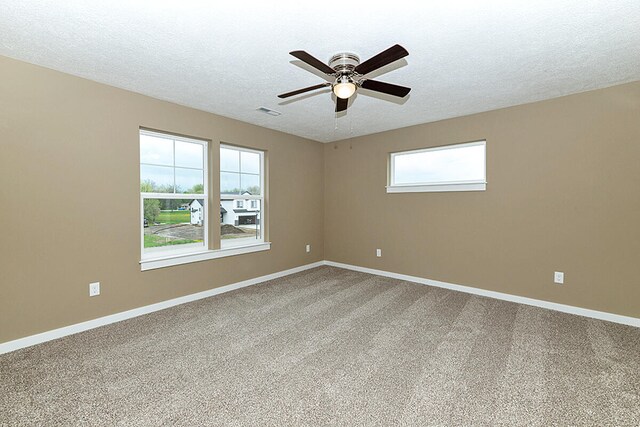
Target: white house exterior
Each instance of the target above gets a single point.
(197, 212)
(237, 210)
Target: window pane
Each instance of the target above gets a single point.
(444, 165)
(156, 179)
(229, 160)
(249, 162)
(189, 155)
(156, 150)
(229, 183)
(171, 222)
(250, 183)
(189, 181)
(240, 226)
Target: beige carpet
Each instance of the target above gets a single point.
(332, 347)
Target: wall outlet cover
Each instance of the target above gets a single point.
(94, 289)
(558, 277)
(378, 253)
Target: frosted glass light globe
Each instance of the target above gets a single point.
(344, 89)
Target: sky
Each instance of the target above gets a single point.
(239, 170)
(444, 165)
(166, 161)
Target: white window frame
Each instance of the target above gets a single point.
(185, 254)
(178, 250)
(237, 243)
(419, 187)
(239, 204)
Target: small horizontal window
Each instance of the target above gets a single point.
(459, 167)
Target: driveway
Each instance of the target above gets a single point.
(177, 231)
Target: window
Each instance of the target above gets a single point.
(241, 179)
(459, 167)
(175, 200)
(173, 194)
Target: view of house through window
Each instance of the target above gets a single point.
(241, 196)
(173, 193)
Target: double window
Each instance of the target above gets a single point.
(459, 167)
(175, 200)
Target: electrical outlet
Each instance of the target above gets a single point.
(558, 277)
(94, 289)
(308, 248)
(378, 253)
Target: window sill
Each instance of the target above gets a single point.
(170, 260)
(467, 186)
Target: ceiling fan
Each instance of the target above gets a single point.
(349, 74)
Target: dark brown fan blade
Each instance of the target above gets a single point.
(341, 104)
(388, 88)
(306, 89)
(314, 62)
(390, 55)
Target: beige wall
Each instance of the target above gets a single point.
(69, 161)
(563, 194)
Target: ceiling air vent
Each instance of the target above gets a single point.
(269, 111)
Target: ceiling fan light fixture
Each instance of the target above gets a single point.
(350, 74)
(344, 87)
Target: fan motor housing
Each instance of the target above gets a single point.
(344, 63)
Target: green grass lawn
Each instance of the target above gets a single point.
(173, 217)
(153, 240)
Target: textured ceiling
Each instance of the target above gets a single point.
(230, 58)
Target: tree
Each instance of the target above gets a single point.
(166, 188)
(197, 189)
(254, 190)
(147, 186)
(151, 210)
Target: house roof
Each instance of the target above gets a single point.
(234, 196)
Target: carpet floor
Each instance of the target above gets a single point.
(332, 347)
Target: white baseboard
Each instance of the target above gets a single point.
(106, 320)
(601, 315)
